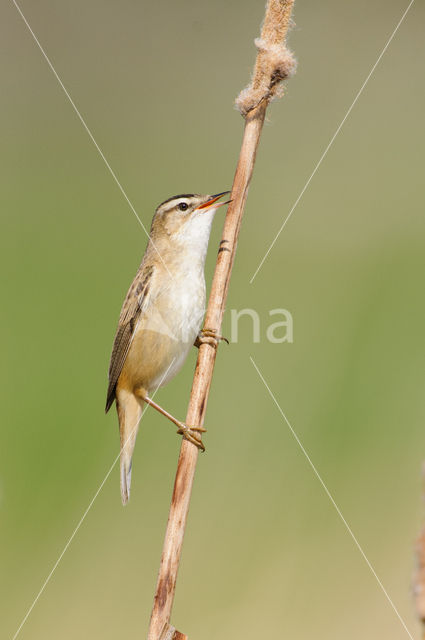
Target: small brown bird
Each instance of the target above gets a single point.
(161, 318)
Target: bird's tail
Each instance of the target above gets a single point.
(129, 414)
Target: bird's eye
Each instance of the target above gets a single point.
(183, 206)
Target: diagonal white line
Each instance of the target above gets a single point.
(322, 157)
(46, 582)
(319, 477)
(80, 117)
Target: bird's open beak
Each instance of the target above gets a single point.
(213, 200)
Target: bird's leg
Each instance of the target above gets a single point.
(209, 336)
(190, 433)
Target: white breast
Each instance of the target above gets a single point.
(175, 318)
(180, 307)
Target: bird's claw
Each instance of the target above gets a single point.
(189, 433)
(209, 336)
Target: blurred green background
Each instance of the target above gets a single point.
(266, 554)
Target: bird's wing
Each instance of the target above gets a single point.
(134, 304)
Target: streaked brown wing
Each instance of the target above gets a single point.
(130, 314)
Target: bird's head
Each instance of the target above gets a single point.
(187, 218)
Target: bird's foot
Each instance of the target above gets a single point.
(209, 336)
(190, 433)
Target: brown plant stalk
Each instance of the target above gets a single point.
(274, 63)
